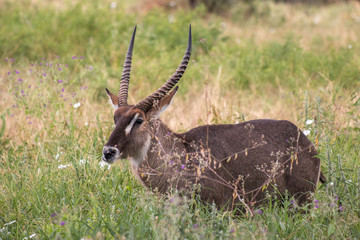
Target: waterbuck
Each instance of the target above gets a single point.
(232, 164)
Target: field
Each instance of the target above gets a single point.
(257, 60)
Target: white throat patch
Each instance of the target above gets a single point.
(137, 160)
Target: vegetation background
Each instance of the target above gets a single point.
(251, 59)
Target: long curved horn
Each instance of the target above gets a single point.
(125, 78)
(146, 104)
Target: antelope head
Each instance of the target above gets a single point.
(131, 136)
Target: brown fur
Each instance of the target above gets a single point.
(231, 163)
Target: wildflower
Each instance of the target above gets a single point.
(306, 132)
(6, 59)
(9, 73)
(17, 72)
(341, 208)
(309, 121)
(86, 124)
(202, 40)
(76, 105)
(317, 19)
(44, 74)
(259, 211)
(195, 225)
(20, 80)
(82, 57)
(62, 223)
(66, 65)
(316, 206)
(113, 5)
(82, 161)
(59, 69)
(62, 90)
(53, 214)
(74, 57)
(232, 230)
(32, 236)
(316, 201)
(104, 164)
(58, 56)
(349, 46)
(60, 81)
(168, 133)
(62, 166)
(40, 63)
(183, 166)
(90, 68)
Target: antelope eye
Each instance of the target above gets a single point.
(139, 121)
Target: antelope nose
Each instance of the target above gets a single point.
(109, 153)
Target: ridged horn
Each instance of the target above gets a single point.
(146, 104)
(125, 78)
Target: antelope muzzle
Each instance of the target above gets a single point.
(110, 154)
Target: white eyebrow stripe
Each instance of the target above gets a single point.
(129, 127)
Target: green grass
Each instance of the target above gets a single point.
(51, 182)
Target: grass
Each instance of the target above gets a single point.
(57, 58)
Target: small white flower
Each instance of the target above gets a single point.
(113, 5)
(76, 105)
(171, 19)
(32, 235)
(57, 156)
(82, 161)
(349, 46)
(62, 166)
(309, 121)
(104, 165)
(237, 122)
(331, 184)
(306, 132)
(86, 123)
(316, 19)
(172, 4)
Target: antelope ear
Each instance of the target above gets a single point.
(159, 107)
(113, 99)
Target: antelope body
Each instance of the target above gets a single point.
(232, 163)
